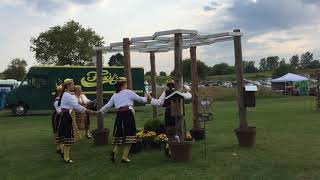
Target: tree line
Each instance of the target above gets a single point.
(271, 63)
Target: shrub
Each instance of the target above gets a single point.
(154, 125)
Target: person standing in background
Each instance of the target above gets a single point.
(83, 119)
(56, 119)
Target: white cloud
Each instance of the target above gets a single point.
(270, 27)
(291, 41)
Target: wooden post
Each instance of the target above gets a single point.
(99, 89)
(178, 62)
(179, 81)
(127, 61)
(194, 87)
(318, 90)
(239, 74)
(153, 82)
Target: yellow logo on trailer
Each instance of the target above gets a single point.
(91, 79)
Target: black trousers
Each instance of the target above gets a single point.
(169, 121)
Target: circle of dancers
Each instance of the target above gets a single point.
(71, 114)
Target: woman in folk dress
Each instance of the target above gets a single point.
(83, 118)
(67, 102)
(56, 119)
(124, 131)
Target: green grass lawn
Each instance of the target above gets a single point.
(287, 148)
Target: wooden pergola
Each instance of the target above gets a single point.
(174, 40)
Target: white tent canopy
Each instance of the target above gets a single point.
(290, 77)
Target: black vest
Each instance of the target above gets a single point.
(167, 102)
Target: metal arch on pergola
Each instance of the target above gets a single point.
(160, 42)
(177, 40)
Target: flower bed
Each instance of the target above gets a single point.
(150, 139)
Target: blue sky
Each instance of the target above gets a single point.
(270, 27)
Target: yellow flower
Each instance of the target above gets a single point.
(161, 138)
(188, 135)
(144, 134)
(140, 134)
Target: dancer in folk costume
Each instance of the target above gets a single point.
(56, 119)
(124, 131)
(83, 119)
(67, 102)
(169, 121)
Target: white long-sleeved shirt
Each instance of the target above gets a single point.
(69, 101)
(160, 101)
(82, 99)
(55, 104)
(121, 99)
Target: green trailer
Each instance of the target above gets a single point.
(36, 91)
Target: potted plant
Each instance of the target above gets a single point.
(246, 135)
(100, 136)
(155, 125)
(161, 140)
(137, 147)
(148, 139)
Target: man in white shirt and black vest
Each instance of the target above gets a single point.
(169, 120)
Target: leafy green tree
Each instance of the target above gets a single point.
(272, 62)
(162, 73)
(306, 59)
(282, 70)
(172, 73)
(116, 60)
(263, 64)
(148, 73)
(221, 69)
(315, 64)
(283, 61)
(70, 44)
(294, 61)
(203, 69)
(249, 67)
(16, 69)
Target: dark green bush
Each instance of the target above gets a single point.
(154, 125)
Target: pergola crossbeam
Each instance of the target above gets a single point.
(163, 41)
(176, 31)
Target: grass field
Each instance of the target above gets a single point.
(287, 148)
